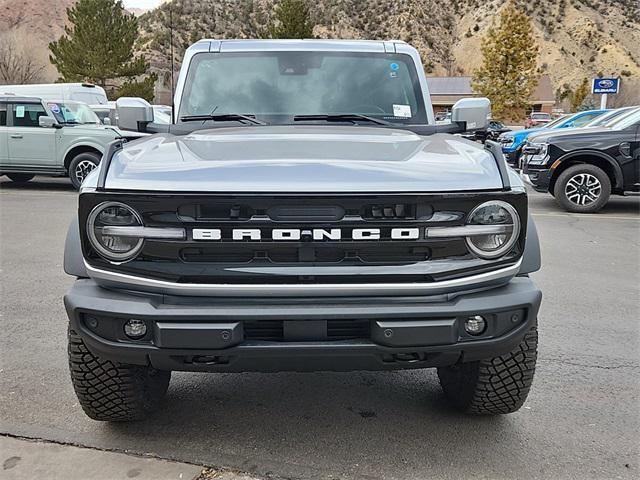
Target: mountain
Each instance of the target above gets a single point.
(44, 19)
(31, 25)
(578, 38)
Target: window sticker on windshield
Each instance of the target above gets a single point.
(402, 111)
(19, 111)
(394, 66)
(55, 108)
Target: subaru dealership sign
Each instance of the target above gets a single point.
(605, 85)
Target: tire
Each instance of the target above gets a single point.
(582, 188)
(493, 386)
(81, 165)
(19, 177)
(112, 391)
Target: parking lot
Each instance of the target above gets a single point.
(581, 419)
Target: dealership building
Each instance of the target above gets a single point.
(445, 91)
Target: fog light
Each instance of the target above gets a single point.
(135, 328)
(92, 322)
(475, 325)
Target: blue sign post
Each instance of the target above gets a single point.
(605, 86)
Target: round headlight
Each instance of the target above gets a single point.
(507, 222)
(113, 247)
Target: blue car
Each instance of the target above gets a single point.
(512, 142)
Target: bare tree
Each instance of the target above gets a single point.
(17, 65)
(443, 45)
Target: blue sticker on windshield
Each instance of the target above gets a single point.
(54, 107)
(394, 66)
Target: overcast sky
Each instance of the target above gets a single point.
(141, 3)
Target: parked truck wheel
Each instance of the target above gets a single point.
(20, 177)
(81, 165)
(495, 385)
(582, 188)
(112, 391)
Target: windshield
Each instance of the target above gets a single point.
(626, 121)
(540, 116)
(607, 119)
(73, 112)
(557, 121)
(280, 85)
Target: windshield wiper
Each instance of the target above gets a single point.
(341, 117)
(223, 117)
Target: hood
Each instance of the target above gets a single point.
(551, 135)
(520, 134)
(95, 128)
(289, 158)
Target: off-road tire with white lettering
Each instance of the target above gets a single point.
(112, 391)
(495, 385)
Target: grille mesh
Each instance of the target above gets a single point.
(273, 330)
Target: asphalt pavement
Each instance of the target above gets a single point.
(581, 420)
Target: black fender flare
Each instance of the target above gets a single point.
(73, 259)
(617, 170)
(531, 257)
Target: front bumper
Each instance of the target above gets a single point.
(538, 178)
(219, 335)
(510, 152)
(510, 156)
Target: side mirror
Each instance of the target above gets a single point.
(133, 113)
(474, 112)
(106, 121)
(47, 122)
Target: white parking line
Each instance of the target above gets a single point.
(39, 194)
(584, 215)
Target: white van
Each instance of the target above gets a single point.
(79, 92)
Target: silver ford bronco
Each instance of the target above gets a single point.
(304, 212)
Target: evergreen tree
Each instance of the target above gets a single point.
(292, 21)
(508, 75)
(98, 45)
(579, 95)
(144, 88)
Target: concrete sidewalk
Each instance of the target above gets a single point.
(29, 459)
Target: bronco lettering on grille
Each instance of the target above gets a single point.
(319, 234)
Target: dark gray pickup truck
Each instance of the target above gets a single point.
(302, 212)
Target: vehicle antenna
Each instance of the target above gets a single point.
(171, 48)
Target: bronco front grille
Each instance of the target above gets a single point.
(307, 259)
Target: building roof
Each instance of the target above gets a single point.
(448, 87)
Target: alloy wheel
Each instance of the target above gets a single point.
(83, 169)
(583, 189)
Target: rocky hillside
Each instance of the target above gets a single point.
(578, 38)
(33, 24)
